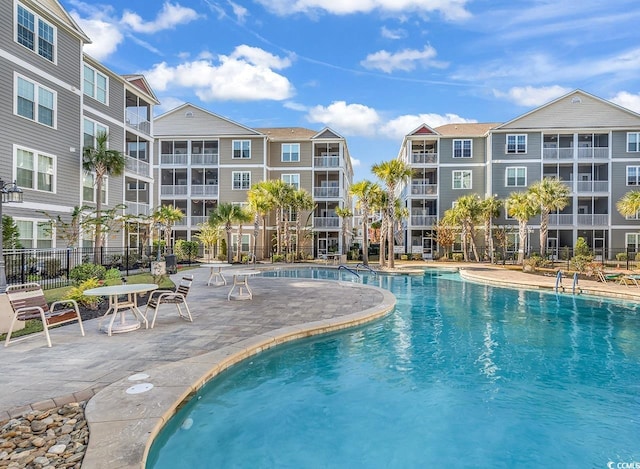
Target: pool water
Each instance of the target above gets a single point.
(459, 375)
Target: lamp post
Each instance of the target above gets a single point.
(10, 192)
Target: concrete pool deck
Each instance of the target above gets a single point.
(178, 357)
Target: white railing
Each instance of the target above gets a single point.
(557, 153)
(423, 220)
(198, 220)
(560, 219)
(173, 158)
(206, 158)
(182, 222)
(593, 152)
(138, 122)
(593, 219)
(327, 161)
(174, 190)
(326, 192)
(137, 166)
(136, 209)
(423, 189)
(205, 189)
(326, 222)
(424, 157)
(593, 186)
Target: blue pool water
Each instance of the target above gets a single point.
(460, 375)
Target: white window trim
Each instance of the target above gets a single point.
(282, 153)
(289, 175)
(96, 72)
(634, 235)
(461, 171)
(516, 168)
(516, 152)
(462, 140)
(35, 101)
(35, 170)
(34, 222)
(105, 187)
(626, 176)
(637, 150)
(233, 178)
(36, 18)
(233, 151)
(95, 131)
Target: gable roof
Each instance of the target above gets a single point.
(424, 129)
(287, 133)
(328, 133)
(140, 82)
(466, 129)
(191, 120)
(576, 109)
(54, 9)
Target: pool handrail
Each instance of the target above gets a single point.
(342, 266)
(366, 267)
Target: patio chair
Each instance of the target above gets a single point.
(611, 277)
(28, 302)
(176, 297)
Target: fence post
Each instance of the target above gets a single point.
(68, 262)
(127, 260)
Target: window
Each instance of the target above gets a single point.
(632, 241)
(91, 129)
(516, 143)
(244, 247)
(41, 39)
(292, 180)
(633, 141)
(462, 179)
(34, 234)
(95, 84)
(633, 175)
(35, 102)
(290, 152)
(241, 180)
(89, 188)
(516, 177)
(462, 148)
(34, 170)
(242, 149)
(136, 186)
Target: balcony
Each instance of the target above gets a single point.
(418, 188)
(592, 153)
(204, 159)
(174, 190)
(423, 220)
(138, 122)
(327, 160)
(136, 166)
(560, 219)
(326, 222)
(136, 209)
(593, 219)
(326, 192)
(568, 153)
(210, 190)
(557, 153)
(593, 186)
(198, 220)
(176, 159)
(424, 157)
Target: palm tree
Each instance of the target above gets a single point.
(550, 194)
(243, 216)
(102, 162)
(466, 214)
(301, 201)
(209, 236)
(489, 209)
(364, 191)
(260, 204)
(344, 213)
(379, 206)
(392, 173)
(225, 215)
(629, 204)
(521, 207)
(280, 193)
(167, 215)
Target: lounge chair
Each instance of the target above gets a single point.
(177, 297)
(609, 277)
(630, 279)
(28, 302)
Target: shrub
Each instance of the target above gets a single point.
(416, 256)
(278, 258)
(580, 263)
(457, 256)
(186, 249)
(112, 274)
(51, 268)
(621, 256)
(581, 248)
(83, 272)
(77, 293)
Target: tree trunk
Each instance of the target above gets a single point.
(365, 240)
(97, 243)
(522, 232)
(391, 241)
(544, 232)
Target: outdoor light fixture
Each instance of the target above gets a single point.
(11, 193)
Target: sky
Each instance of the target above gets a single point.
(371, 70)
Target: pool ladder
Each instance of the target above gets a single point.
(342, 266)
(574, 286)
(366, 267)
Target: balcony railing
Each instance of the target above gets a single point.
(174, 190)
(424, 157)
(557, 153)
(593, 219)
(568, 153)
(326, 192)
(198, 220)
(593, 186)
(423, 220)
(423, 189)
(206, 158)
(134, 165)
(560, 219)
(173, 159)
(210, 190)
(593, 152)
(327, 161)
(326, 222)
(138, 122)
(136, 209)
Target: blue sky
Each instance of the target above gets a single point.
(372, 70)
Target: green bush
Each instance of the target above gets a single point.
(457, 256)
(77, 293)
(51, 268)
(112, 274)
(83, 272)
(580, 263)
(186, 249)
(278, 258)
(621, 256)
(581, 248)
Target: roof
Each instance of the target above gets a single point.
(465, 129)
(287, 133)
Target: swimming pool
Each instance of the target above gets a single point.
(459, 374)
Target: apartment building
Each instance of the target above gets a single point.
(590, 144)
(54, 101)
(205, 159)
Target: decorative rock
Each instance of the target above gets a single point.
(57, 449)
(38, 442)
(41, 460)
(66, 429)
(38, 426)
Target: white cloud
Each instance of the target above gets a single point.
(245, 75)
(355, 162)
(105, 37)
(406, 60)
(167, 103)
(531, 96)
(627, 100)
(393, 33)
(240, 12)
(169, 17)
(400, 126)
(295, 106)
(347, 119)
(450, 9)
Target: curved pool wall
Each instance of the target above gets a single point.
(459, 374)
